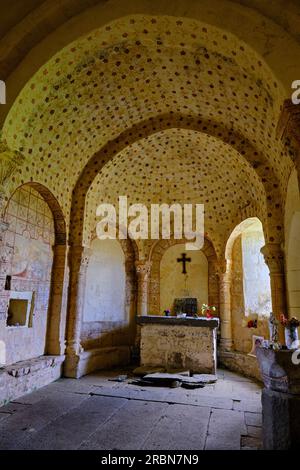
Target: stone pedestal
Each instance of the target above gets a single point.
(280, 399)
(179, 343)
(281, 423)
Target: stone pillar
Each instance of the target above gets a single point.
(57, 310)
(224, 273)
(143, 269)
(281, 428)
(274, 259)
(79, 258)
(6, 253)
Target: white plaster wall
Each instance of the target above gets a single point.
(256, 279)
(174, 284)
(105, 283)
(292, 245)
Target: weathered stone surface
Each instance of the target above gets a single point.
(128, 429)
(187, 321)
(241, 363)
(178, 346)
(225, 430)
(99, 358)
(179, 428)
(253, 419)
(19, 379)
(72, 428)
(33, 418)
(281, 424)
(250, 443)
(170, 377)
(144, 370)
(61, 417)
(206, 378)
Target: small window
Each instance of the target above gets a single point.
(19, 309)
(17, 312)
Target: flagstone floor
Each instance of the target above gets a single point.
(97, 413)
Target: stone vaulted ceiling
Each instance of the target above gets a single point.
(123, 97)
(183, 166)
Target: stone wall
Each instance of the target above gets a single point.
(108, 327)
(27, 376)
(211, 283)
(174, 284)
(27, 256)
(178, 346)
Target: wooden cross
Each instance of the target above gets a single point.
(183, 260)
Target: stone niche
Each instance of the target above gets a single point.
(19, 309)
(179, 343)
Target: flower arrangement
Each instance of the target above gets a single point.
(208, 310)
(253, 320)
(291, 333)
(290, 323)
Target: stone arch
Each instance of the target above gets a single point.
(156, 255)
(56, 305)
(237, 231)
(131, 254)
(273, 216)
(37, 48)
(128, 326)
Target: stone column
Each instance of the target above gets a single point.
(274, 259)
(57, 310)
(6, 253)
(224, 273)
(143, 269)
(79, 258)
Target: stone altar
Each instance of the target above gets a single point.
(172, 342)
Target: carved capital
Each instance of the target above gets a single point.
(223, 268)
(143, 269)
(9, 161)
(274, 257)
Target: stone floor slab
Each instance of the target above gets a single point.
(95, 412)
(69, 431)
(128, 429)
(181, 427)
(225, 430)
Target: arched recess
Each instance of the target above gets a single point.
(250, 292)
(156, 255)
(109, 304)
(292, 245)
(272, 210)
(33, 274)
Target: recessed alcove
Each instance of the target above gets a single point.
(19, 309)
